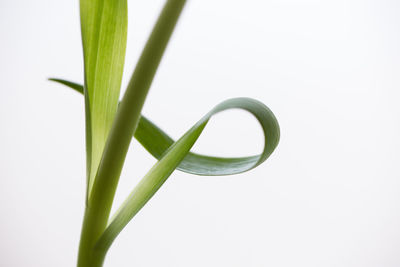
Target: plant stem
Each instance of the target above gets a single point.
(101, 198)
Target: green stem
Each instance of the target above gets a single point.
(101, 198)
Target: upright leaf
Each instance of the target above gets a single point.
(104, 33)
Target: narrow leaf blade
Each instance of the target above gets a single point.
(77, 87)
(176, 153)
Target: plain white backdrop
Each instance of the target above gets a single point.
(329, 195)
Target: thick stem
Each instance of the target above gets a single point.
(91, 229)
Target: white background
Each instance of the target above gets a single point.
(328, 196)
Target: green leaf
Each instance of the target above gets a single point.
(157, 142)
(176, 153)
(104, 34)
(77, 87)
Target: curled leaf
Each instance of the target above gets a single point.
(177, 153)
(157, 142)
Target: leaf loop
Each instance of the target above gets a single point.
(157, 142)
(177, 153)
